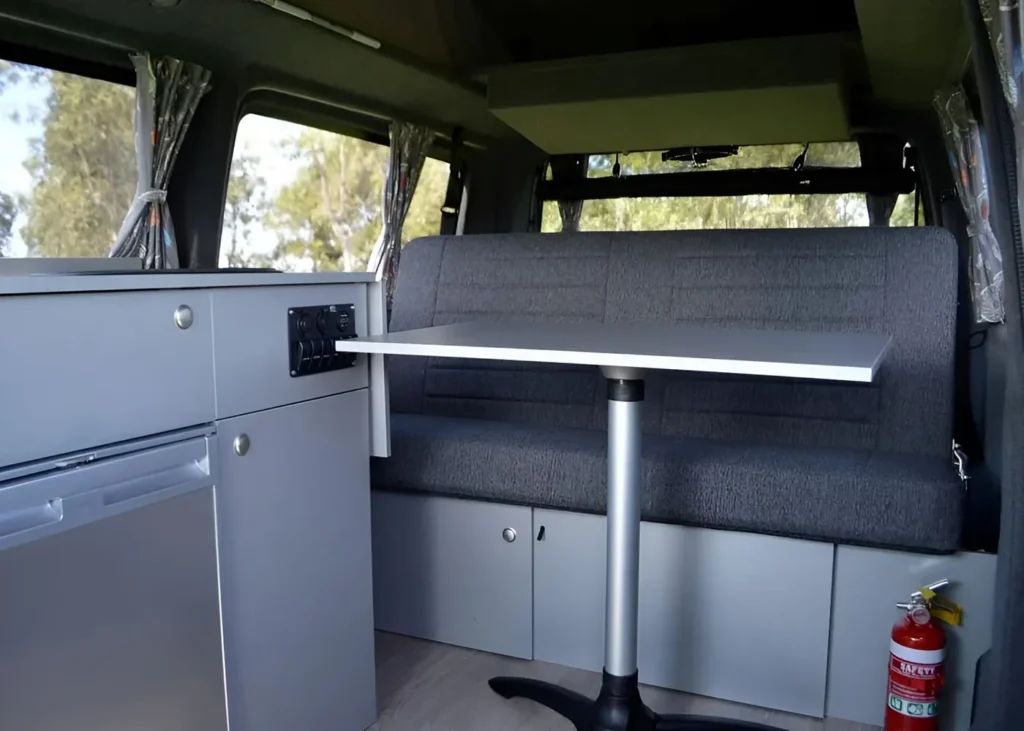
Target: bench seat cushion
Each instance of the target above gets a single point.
(863, 497)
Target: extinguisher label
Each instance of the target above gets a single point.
(914, 682)
(919, 657)
(914, 670)
(913, 708)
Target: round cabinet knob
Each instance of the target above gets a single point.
(241, 444)
(184, 317)
(509, 534)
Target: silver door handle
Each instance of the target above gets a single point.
(184, 317)
(28, 520)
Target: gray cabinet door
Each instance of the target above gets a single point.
(737, 616)
(97, 384)
(294, 518)
(251, 347)
(868, 584)
(444, 570)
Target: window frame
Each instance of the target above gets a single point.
(313, 111)
(123, 75)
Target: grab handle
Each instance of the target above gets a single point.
(73, 496)
(140, 491)
(24, 524)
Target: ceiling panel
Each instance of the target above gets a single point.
(433, 48)
(448, 34)
(472, 34)
(540, 30)
(276, 51)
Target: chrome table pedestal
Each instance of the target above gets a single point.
(619, 707)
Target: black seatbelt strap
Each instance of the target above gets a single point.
(456, 181)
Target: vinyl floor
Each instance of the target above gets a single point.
(426, 686)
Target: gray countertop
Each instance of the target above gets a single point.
(115, 281)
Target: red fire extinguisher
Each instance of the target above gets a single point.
(917, 651)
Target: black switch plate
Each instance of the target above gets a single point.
(311, 335)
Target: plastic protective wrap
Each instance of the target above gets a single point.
(964, 145)
(1005, 25)
(409, 146)
(167, 94)
(1003, 20)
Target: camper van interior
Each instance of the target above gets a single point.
(478, 365)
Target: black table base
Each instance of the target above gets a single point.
(618, 707)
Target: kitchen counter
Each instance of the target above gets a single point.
(175, 279)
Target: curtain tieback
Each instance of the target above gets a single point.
(153, 195)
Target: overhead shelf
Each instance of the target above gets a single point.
(749, 92)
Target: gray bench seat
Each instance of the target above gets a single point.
(852, 463)
(850, 496)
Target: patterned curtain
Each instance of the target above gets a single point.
(167, 94)
(409, 146)
(963, 143)
(1005, 25)
(569, 167)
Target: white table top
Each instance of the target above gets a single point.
(818, 355)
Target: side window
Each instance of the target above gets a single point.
(304, 199)
(67, 162)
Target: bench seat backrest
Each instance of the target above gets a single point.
(902, 282)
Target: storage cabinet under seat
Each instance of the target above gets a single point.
(774, 622)
(738, 616)
(444, 570)
(868, 583)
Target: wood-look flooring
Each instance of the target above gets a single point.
(426, 686)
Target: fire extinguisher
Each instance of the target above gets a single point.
(917, 651)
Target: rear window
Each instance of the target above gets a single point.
(819, 154)
(736, 212)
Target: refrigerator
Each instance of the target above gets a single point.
(109, 589)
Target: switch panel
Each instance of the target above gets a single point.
(311, 335)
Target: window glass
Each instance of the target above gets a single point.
(303, 199)
(67, 162)
(751, 211)
(819, 154)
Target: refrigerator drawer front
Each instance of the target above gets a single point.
(115, 624)
(62, 499)
(83, 370)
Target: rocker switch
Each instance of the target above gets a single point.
(311, 335)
